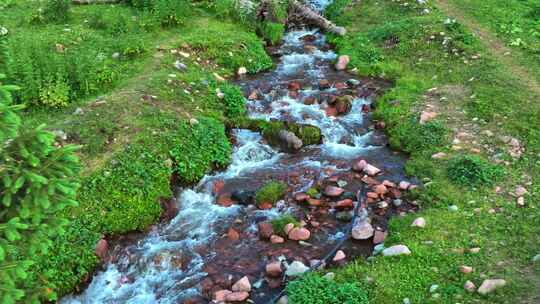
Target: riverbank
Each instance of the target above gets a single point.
(462, 116)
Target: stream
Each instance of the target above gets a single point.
(209, 246)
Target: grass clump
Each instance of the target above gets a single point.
(235, 103)
(473, 170)
(315, 289)
(278, 224)
(272, 32)
(415, 137)
(271, 192)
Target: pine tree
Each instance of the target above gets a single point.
(38, 180)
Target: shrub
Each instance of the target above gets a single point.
(56, 11)
(278, 224)
(38, 182)
(272, 32)
(235, 103)
(199, 148)
(314, 289)
(270, 192)
(473, 170)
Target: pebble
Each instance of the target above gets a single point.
(536, 258)
(333, 191)
(283, 300)
(396, 250)
(469, 286)
(329, 276)
(299, 234)
(296, 268)
(340, 255)
(490, 285)
(406, 301)
(453, 208)
(433, 288)
(273, 269)
(242, 285)
(378, 248)
(465, 269)
(419, 222)
(276, 239)
(397, 202)
(474, 250)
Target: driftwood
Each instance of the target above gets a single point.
(314, 18)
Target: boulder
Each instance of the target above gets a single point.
(276, 239)
(296, 268)
(362, 231)
(490, 285)
(242, 285)
(396, 250)
(342, 62)
(333, 191)
(273, 269)
(299, 234)
(265, 230)
(238, 296)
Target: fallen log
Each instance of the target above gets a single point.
(314, 18)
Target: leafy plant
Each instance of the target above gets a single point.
(38, 182)
(55, 93)
(315, 289)
(272, 32)
(57, 10)
(271, 192)
(473, 170)
(235, 103)
(278, 224)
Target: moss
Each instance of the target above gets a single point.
(278, 224)
(271, 192)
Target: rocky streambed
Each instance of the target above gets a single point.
(225, 246)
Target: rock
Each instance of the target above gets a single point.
(242, 285)
(380, 189)
(379, 236)
(406, 301)
(276, 239)
(314, 202)
(469, 286)
(521, 201)
(296, 268)
(382, 205)
(283, 300)
(433, 288)
(310, 100)
(419, 222)
(439, 155)
(102, 247)
(520, 191)
(465, 269)
(243, 197)
(353, 82)
(288, 228)
(233, 235)
(78, 111)
(340, 255)
(329, 276)
(359, 165)
(290, 140)
(241, 71)
(344, 216)
(299, 234)
(180, 66)
(453, 208)
(363, 231)
(342, 62)
(371, 170)
(273, 269)
(426, 116)
(265, 230)
(254, 95)
(490, 285)
(397, 202)
(333, 191)
(536, 258)
(239, 296)
(474, 250)
(225, 200)
(324, 84)
(379, 125)
(221, 295)
(404, 185)
(343, 104)
(345, 204)
(294, 86)
(396, 250)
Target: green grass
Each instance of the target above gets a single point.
(271, 192)
(401, 43)
(150, 122)
(517, 22)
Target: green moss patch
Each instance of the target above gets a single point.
(271, 192)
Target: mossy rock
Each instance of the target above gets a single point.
(271, 192)
(310, 135)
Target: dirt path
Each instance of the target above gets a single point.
(493, 44)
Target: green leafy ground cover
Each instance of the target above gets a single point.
(118, 91)
(419, 51)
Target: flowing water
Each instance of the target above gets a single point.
(191, 256)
